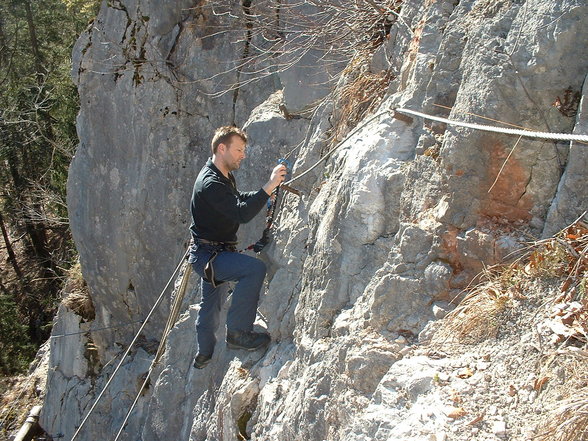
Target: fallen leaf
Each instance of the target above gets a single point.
(465, 373)
(455, 412)
(540, 382)
(558, 328)
(568, 319)
(576, 307)
(476, 420)
(454, 396)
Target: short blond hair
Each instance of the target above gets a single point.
(223, 135)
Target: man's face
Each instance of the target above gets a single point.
(234, 153)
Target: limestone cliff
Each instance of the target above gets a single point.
(390, 228)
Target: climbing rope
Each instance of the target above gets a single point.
(484, 127)
(495, 129)
(326, 155)
(171, 321)
(158, 301)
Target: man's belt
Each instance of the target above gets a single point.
(215, 243)
(209, 268)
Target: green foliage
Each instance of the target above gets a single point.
(16, 349)
(38, 108)
(39, 101)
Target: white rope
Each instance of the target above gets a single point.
(130, 346)
(484, 127)
(124, 423)
(339, 144)
(488, 128)
(171, 321)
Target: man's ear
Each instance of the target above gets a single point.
(222, 148)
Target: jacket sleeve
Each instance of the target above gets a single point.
(223, 200)
(244, 195)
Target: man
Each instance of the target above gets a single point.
(217, 210)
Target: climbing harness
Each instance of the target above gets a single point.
(209, 271)
(216, 248)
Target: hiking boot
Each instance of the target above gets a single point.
(248, 340)
(200, 361)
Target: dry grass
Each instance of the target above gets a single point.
(361, 95)
(81, 304)
(78, 297)
(477, 316)
(569, 421)
(566, 256)
(563, 257)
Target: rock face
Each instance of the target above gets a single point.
(393, 225)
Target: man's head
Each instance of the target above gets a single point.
(224, 135)
(228, 148)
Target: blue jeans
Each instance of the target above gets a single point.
(229, 266)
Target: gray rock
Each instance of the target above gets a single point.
(404, 213)
(571, 199)
(439, 312)
(314, 59)
(414, 243)
(437, 276)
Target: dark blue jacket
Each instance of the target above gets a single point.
(218, 207)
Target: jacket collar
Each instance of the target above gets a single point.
(216, 171)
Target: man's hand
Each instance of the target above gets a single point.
(277, 177)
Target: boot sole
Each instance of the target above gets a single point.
(201, 365)
(234, 346)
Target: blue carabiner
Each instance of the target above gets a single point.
(286, 163)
